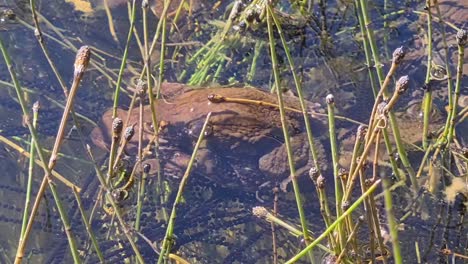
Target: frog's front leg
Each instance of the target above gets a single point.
(275, 164)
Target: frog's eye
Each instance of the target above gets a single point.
(194, 128)
(415, 110)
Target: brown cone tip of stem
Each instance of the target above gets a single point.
(361, 132)
(260, 211)
(129, 132)
(402, 84)
(399, 55)
(117, 126)
(313, 173)
(321, 182)
(382, 108)
(140, 88)
(82, 60)
(461, 37)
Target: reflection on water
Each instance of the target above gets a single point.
(214, 224)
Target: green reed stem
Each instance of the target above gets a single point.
(332, 227)
(287, 142)
(394, 125)
(427, 101)
(297, 82)
(461, 38)
(88, 226)
(392, 224)
(148, 67)
(264, 213)
(124, 60)
(40, 39)
(337, 182)
(30, 172)
(367, 51)
(115, 206)
(253, 66)
(165, 249)
(447, 64)
(40, 152)
(141, 194)
(65, 222)
(162, 52)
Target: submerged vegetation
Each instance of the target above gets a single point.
(190, 174)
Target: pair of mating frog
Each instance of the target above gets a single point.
(244, 144)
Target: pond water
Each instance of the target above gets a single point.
(215, 223)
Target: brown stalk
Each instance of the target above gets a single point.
(81, 63)
(398, 56)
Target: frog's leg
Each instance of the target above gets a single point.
(275, 164)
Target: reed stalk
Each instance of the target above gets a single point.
(262, 212)
(124, 60)
(147, 70)
(46, 179)
(427, 101)
(116, 209)
(392, 224)
(461, 41)
(287, 142)
(26, 154)
(332, 227)
(165, 249)
(394, 126)
(81, 63)
(447, 64)
(162, 52)
(88, 226)
(30, 172)
(298, 85)
(367, 51)
(336, 177)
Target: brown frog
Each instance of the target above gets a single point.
(243, 144)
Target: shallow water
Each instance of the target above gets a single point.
(215, 224)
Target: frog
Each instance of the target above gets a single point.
(244, 143)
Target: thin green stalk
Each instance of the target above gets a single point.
(162, 52)
(88, 226)
(392, 224)
(367, 51)
(262, 212)
(447, 65)
(124, 60)
(54, 69)
(32, 130)
(65, 222)
(298, 85)
(394, 125)
(461, 40)
(30, 172)
(141, 194)
(287, 141)
(253, 66)
(117, 213)
(427, 101)
(337, 182)
(165, 249)
(332, 227)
